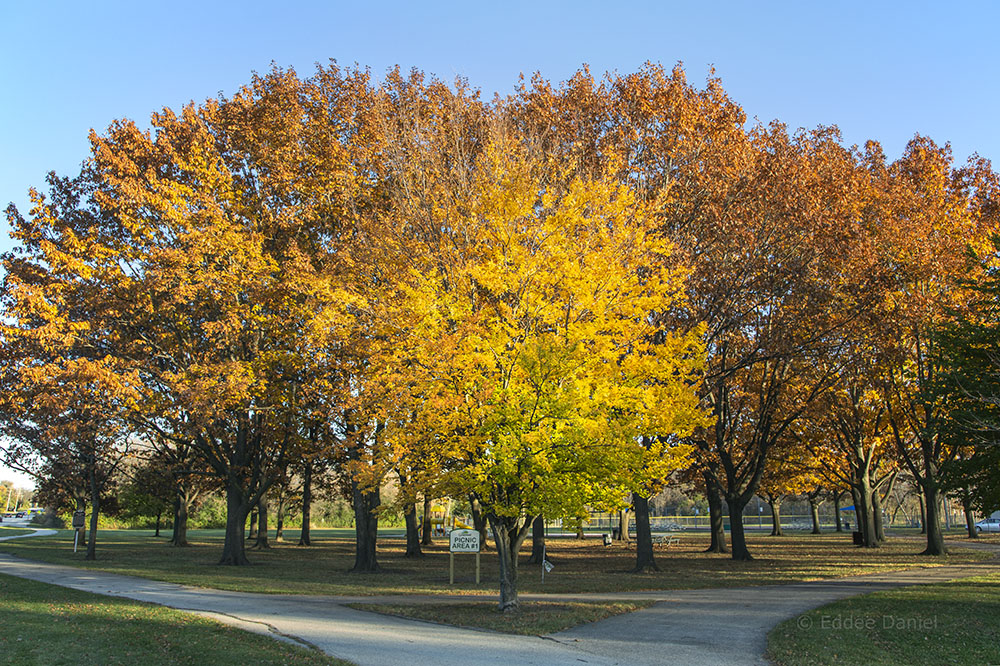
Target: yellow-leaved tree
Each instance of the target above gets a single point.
(538, 379)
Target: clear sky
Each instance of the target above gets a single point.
(880, 70)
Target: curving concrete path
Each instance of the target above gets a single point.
(698, 627)
(730, 625)
(30, 534)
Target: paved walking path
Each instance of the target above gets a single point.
(35, 533)
(698, 627)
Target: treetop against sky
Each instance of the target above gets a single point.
(883, 72)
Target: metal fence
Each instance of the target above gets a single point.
(606, 523)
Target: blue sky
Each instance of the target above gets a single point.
(877, 70)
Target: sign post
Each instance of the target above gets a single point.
(462, 541)
(79, 518)
(546, 565)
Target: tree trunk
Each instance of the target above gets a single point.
(814, 513)
(537, 540)
(857, 510)
(92, 536)
(836, 510)
(252, 536)
(366, 502)
(923, 511)
(775, 504)
(412, 533)
(306, 505)
(736, 533)
(644, 560)
(426, 539)
(866, 517)
(623, 534)
(877, 520)
(181, 504)
(95, 509)
(935, 538)
(479, 522)
(237, 508)
(508, 535)
(279, 519)
(261, 543)
(716, 516)
(970, 521)
(159, 515)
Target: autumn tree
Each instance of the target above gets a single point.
(205, 334)
(847, 434)
(540, 372)
(205, 276)
(788, 473)
(967, 387)
(64, 408)
(706, 482)
(683, 151)
(792, 259)
(190, 479)
(423, 138)
(941, 212)
(145, 492)
(768, 224)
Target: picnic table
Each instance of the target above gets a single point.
(666, 540)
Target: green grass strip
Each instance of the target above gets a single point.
(11, 531)
(957, 622)
(47, 624)
(535, 618)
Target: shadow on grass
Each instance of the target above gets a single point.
(581, 566)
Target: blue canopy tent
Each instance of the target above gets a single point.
(852, 510)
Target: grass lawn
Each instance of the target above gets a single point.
(945, 623)
(993, 537)
(580, 566)
(984, 537)
(535, 618)
(954, 535)
(11, 531)
(47, 624)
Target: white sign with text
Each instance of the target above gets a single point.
(464, 541)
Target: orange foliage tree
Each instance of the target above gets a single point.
(937, 213)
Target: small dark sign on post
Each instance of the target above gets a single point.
(79, 520)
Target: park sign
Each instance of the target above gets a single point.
(464, 541)
(79, 519)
